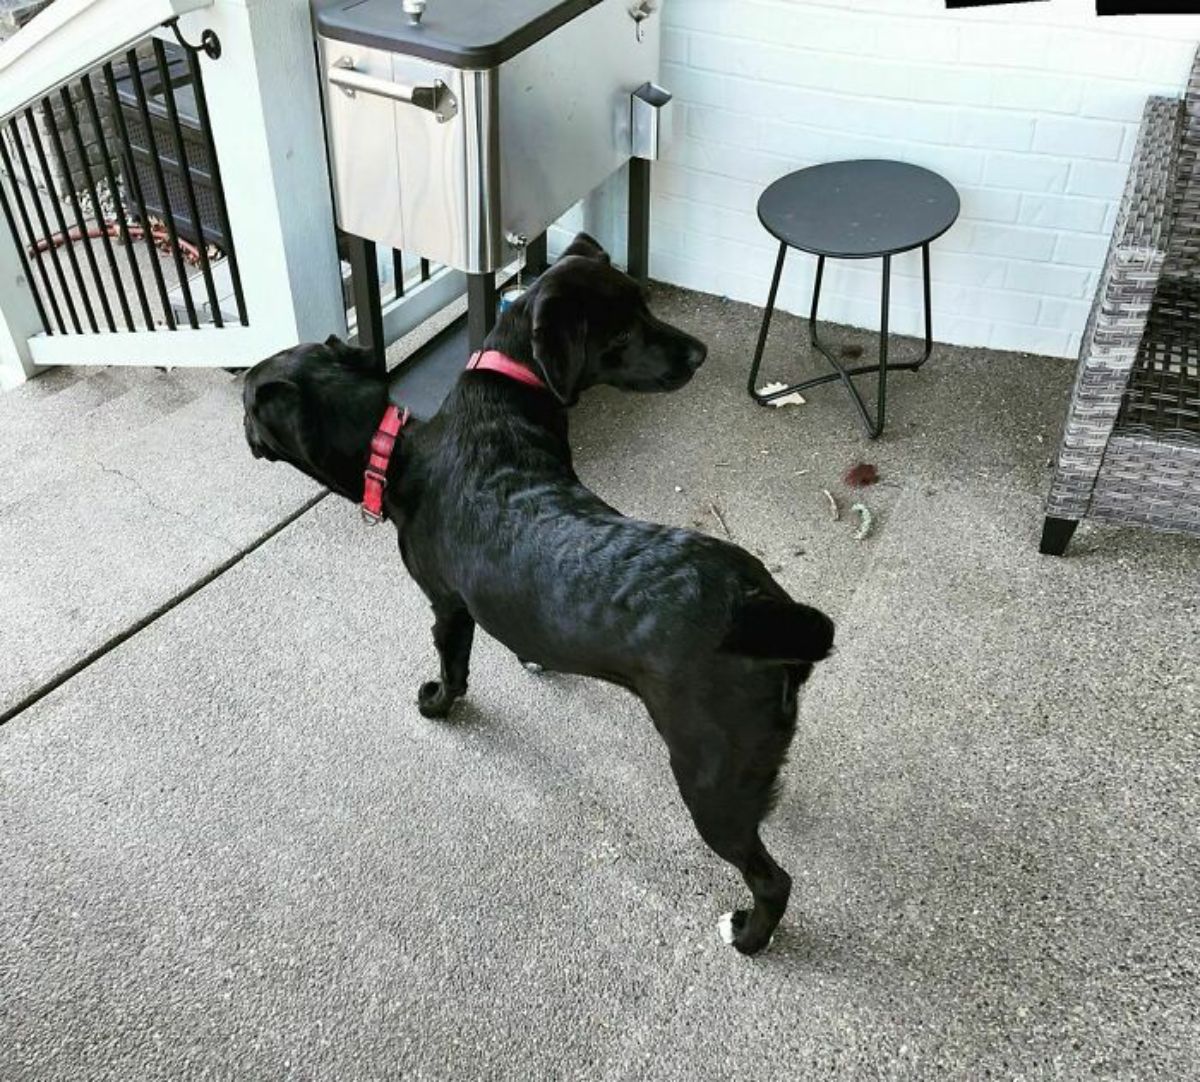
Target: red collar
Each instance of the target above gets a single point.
(394, 420)
(375, 475)
(492, 360)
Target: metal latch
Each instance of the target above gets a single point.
(640, 11)
(436, 99)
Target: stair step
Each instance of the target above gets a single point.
(55, 435)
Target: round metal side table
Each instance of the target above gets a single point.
(867, 209)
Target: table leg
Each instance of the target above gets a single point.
(638, 262)
(481, 308)
(872, 426)
(881, 395)
(536, 260)
(762, 400)
(928, 308)
(368, 305)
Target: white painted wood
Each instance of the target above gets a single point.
(227, 347)
(19, 320)
(265, 108)
(72, 35)
(265, 111)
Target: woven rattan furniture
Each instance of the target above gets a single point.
(1131, 447)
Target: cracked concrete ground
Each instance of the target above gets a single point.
(231, 848)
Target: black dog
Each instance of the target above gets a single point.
(497, 530)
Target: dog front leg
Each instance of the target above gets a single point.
(453, 633)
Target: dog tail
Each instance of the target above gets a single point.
(777, 630)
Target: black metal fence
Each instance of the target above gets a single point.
(116, 197)
(365, 292)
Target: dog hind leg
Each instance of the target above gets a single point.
(731, 832)
(751, 931)
(453, 634)
(728, 794)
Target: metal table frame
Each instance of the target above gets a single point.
(481, 288)
(874, 427)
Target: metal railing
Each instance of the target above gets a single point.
(126, 187)
(120, 153)
(399, 272)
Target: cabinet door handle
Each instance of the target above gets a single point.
(436, 99)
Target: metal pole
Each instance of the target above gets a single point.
(766, 326)
(639, 219)
(481, 308)
(167, 211)
(139, 197)
(114, 191)
(368, 305)
(185, 171)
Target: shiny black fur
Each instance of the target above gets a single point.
(497, 530)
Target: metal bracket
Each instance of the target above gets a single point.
(210, 44)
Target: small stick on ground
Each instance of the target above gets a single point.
(834, 511)
(720, 518)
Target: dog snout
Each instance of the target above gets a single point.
(679, 346)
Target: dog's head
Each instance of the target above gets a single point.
(307, 406)
(590, 324)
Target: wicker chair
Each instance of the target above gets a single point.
(1131, 448)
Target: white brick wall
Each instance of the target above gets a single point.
(1030, 110)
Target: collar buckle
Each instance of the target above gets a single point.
(375, 474)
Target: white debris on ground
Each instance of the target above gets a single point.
(793, 399)
(864, 530)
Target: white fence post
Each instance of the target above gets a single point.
(19, 319)
(265, 106)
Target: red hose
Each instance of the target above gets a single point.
(158, 234)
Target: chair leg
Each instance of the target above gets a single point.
(1056, 535)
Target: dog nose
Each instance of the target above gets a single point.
(697, 352)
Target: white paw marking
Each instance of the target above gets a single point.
(725, 929)
(534, 667)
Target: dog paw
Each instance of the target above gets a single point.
(434, 699)
(732, 929)
(533, 667)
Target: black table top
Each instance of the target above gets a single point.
(478, 34)
(859, 209)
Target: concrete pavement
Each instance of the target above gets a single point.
(231, 848)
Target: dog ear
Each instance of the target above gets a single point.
(349, 354)
(559, 345)
(276, 408)
(586, 245)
